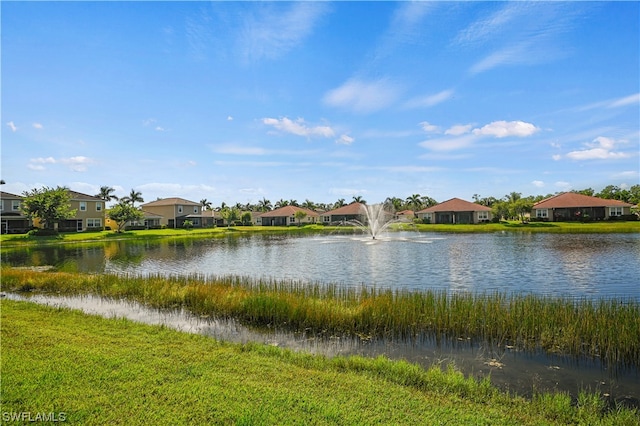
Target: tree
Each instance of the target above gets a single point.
(206, 204)
(393, 203)
(359, 199)
(415, 202)
(230, 215)
(339, 203)
(106, 195)
(48, 205)
(300, 215)
(264, 205)
(133, 198)
(246, 218)
(308, 204)
(124, 212)
(281, 203)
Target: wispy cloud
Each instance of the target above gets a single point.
(612, 103)
(430, 100)
(77, 164)
(12, 126)
(275, 29)
(345, 140)
(298, 127)
(362, 96)
(519, 33)
(37, 126)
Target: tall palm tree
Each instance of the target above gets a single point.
(339, 203)
(281, 203)
(206, 204)
(308, 204)
(264, 205)
(414, 201)
(133, 197)
(106, 195)
(358, 199)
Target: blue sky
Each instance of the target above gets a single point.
(239, 101)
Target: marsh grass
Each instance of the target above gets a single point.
(114, 371)
(606, 329)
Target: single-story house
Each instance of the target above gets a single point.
(569, 206)
(455, 210)
(174, 211)
(285, 216)
(354, 211)
(405, 215)
(12, 220)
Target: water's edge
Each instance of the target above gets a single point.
(508, 369)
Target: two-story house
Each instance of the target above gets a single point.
(174, 211)
(12, 220)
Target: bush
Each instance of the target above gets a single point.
(39, 232)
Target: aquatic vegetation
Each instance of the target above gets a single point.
(607, 329)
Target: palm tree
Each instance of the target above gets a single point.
(339, 203)
(133, 197)
(427, 201)
(293, 202)
(415, 202)
(106, 195)
(358, 199)
(281, 203)
(308, 204)
(206, 204)
(264, 205)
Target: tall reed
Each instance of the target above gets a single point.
(608, 329)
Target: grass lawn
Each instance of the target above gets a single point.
(511, 226)
(94, 370)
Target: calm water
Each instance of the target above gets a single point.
(574, 265)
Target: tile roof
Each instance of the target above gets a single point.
(350, 209)
(80, 196)
(574, 200)
(288, 211)
(456, 205)
(171, 202)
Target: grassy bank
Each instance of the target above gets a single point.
(604, 329)
(512, 226)
(93, 370)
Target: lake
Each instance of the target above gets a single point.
(569, 265)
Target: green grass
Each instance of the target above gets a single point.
(555, 227)
(607, 329)
(114, 371)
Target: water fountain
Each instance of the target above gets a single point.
(377, 219)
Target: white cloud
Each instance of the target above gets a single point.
(538, 183)
(600, 149)
(229, 118)
(240, 150)
(159, 129)
(12, 126)
(345, 140)
(363, 96)
(78, 163)
(448, 143)
(563, 185)
(430, 100)
(429, 128)
(501, 129)
(298, 127)
(37, 126)
(556, 157)
(458, 129)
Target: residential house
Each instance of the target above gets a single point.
(12, 220)
(351, 212)
(286, 216)
(455, 210)
(174, 211)
(148, 221)
(405, 216)
(569, 206)
(89, 213)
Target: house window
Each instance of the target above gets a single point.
(293, 219)
(326, 218)
(94, 223)
(179, 209)
(98, 206)
(615, 211)
(1, 206)
(15, 205)
(542, 213)
(195, 209)
(483, 215)
(83, 206)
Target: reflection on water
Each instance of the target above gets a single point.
(519, 372)
(573, 265)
